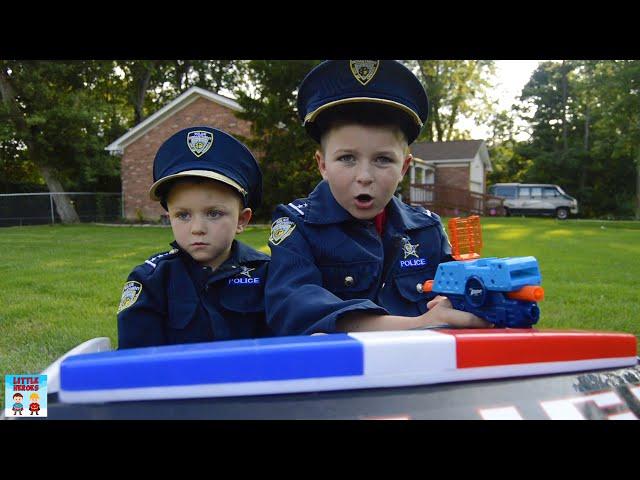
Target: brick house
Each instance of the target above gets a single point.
(450, 177)
(139, 145)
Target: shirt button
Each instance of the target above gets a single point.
(419, 287)
(348, 281)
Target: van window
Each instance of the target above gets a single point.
(504, 191)
(524, 192)
(536, 192)
(550, 192)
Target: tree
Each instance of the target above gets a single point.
(508, 164)
(55, 121)
(284, 149)
(585, 124)
(455, 88)
(616, 126)
(150, 84)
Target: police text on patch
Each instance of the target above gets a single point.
(413, 262)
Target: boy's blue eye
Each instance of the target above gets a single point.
(384, 160)
(214, 213)
(346, 158)
(182, 215)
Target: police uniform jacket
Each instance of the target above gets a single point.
(173, 299)
(326, 263)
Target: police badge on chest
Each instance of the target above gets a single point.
(245, 278)
(411, 250)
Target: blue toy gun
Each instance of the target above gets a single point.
(503, 291)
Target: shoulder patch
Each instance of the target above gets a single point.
(154, 260)
(298, 208)
(130, 294)
(281, 229)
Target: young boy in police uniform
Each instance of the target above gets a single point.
(352, 257)
(209, 286)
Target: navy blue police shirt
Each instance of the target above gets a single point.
(325, 263)
(173, 299)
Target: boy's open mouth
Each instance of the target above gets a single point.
(364, 200)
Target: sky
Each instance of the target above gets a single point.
(511, 77)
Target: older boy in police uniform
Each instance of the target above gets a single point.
(351, 256)
(209, 286)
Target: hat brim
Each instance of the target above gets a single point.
(311, 116)
(195, 173)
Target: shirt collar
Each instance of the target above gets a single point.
(240, 255)
(323, 208)
(406, 217)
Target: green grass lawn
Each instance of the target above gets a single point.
(61, 285)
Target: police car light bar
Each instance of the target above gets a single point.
(335, 362)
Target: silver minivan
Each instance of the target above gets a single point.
(535, 199)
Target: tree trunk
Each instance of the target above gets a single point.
(64, 207)
(141, 90)
(583, 166)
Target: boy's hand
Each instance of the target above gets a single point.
(440, 311)
(437, 300)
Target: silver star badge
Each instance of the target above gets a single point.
(245, 271)
(409, 249)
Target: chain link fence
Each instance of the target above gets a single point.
(38, 208)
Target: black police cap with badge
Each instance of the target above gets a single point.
(384, 88)
(210, 153)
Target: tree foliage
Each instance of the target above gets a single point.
(585, 134)
(456, 89)
(54, 117)
(284, 149)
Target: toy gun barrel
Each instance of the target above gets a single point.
(427, 286)
(530, 293)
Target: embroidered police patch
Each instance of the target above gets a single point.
(199, 141)
(246, 271)
(130, 294)
(364, 70)
(409, 249)
(281, 229)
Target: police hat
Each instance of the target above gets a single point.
(382, 82)
(210, 153)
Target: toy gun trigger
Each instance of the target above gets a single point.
(427, 286)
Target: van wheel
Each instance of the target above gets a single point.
(562, 213)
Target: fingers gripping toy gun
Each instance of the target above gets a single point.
(503, 291)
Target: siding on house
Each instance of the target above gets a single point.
(137, 159)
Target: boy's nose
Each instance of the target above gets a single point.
(198, 226)
(363, 175)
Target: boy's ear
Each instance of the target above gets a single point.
(243, 219)
(321, 164)
(406, 164)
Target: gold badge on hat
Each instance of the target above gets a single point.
(199, 141)
(364, 70)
